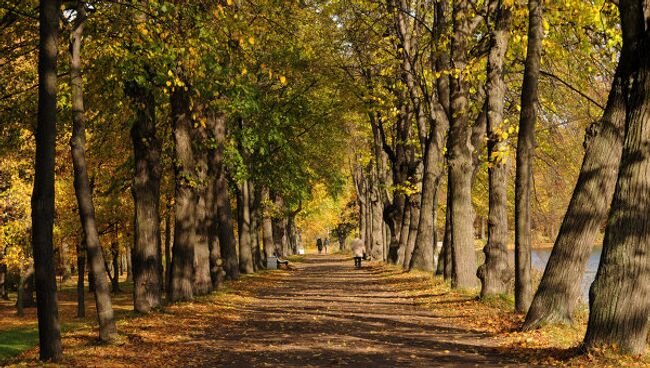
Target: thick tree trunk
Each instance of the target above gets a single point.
(25, 297)
(217, 274)
(224, 224)
(422, 258)
(244, 218)
(525, 156)
(414, 224)
(81, 273)
(495, 272)
(460, 156)
(278, 235)
(619, 298)
(83, 191)
(181, 287)
(49, 328)
(559, 289)
(144, 258)
(202, 281)
(398, 257)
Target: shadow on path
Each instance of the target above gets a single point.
(326, 313)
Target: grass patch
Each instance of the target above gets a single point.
(17, 340)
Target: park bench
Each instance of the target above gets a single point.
(274, 262)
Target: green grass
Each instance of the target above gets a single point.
(17, 340)
(20, 339)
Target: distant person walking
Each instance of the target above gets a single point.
(319, 245)
(358, 249)
(326, 244)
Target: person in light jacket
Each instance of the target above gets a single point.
(358, 248)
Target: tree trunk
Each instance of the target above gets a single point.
(460, 156)
(217, 274)
(267, 227)
(65, 262)
(245, 248)
(202, 281)
(495, 272)
(619, 298)
(144, 258)
(181, 287)
(115, 253)
(414, 224)
(398, 257)
(377, 245)
(224, 224)
(25, 297)
(83, 191)
(422, 258)
(81, 271)
(4, 294)
(255, 198)
(447, 244)
(559, 289)
(168, 245)
(525, 155)
(49, 328)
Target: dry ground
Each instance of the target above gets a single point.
(323, 312)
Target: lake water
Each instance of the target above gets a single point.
(540, 257)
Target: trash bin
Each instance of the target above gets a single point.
(272, 263)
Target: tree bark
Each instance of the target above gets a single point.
(181, 287)
(115, 253)
(65, 262)
(267, 227)
(49, 328)
(559, 289)
(202, 281)
(422, 258)
(460, 156)
(495, 272)
(244, 218)
(414, 224)
(400, 252)
(377, 245)
(83, 190)
(525, 155)
(168, 245)
(255, 197)
(619, 298)
(144, 258)
(447, 244)
(226, 234)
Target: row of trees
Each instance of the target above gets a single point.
(199, 132)
(192, 109)
(440, 94)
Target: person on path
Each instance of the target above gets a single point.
(326, 244)
(319, 245)
(358, 249)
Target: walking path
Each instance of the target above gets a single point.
(326, 313)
